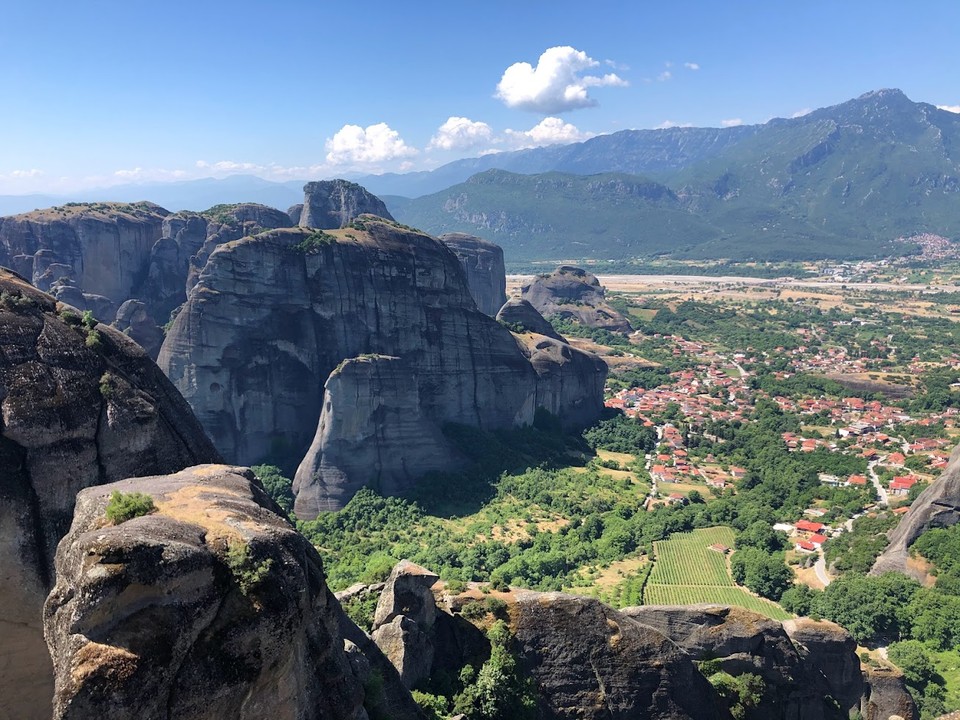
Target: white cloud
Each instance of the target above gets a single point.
(667, 124)
(460, 133)
(732, 122)
(549, 131)
(801, 113)
(949, 108)
(378, 143)
(556, 84)
(23, 174)
(664, 76)
(691, 66)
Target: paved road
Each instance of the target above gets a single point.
(820, 567)
(881, 490)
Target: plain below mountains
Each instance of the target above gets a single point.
(841, 182)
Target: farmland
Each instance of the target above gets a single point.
(686, 571)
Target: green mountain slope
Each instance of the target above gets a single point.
(841, 182)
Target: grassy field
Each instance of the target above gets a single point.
(686, 571)
(947, 664)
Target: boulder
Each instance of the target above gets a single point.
(213, 606)
(80, 406)
(522, 317)
(886, 696)
(574, 294)
(482, 262)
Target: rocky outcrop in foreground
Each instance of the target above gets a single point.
(482, 262)
(349, 350)
(211, 607)
(81, 405)
(574, 294)
(937, 506)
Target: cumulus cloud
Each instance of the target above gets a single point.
(667, 124)
(549, 131)
(691, 66)
(664, 76)
(802, 112)
(460, 133)
(949, 108)
(378, 143)
(556, 84)
(732, 122)
(23, 174)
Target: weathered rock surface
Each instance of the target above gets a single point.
(937, 506)
(482, 261)
(294, 212)
(590, 661)
(804, 665)
(211, 607)
(73, 413)
(522, 317)
(97, 256)
(272, 319)
(404, 620)
(332, 204)
(887, 696)
(574, 294)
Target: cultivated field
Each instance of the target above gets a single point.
(686, 572)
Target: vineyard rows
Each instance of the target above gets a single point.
(686, 571)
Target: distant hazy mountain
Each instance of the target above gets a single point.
(187, 195)
(843, 181)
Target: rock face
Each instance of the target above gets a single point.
(887, 696)
(482, 261)
(404, 620)
(382, 316)
(574, 294)
(522, 317)
(332, 204)
(590, 661)
(799, 677)
(211, 607)
(937, 506)
(80, 407)
(99, 256)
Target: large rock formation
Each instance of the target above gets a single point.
(482, 261)
(98, 256)
(522, 317)
(937, 506)
(332, 204)
(574, 294)
(213, 607)
(590, 661)
(80, 406)
(383, 317)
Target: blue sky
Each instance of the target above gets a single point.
(104, 92)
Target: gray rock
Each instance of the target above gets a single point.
(72, 416)
(269, 325)
(157, 618)
(132, 320)
(407, 592)
(482, 261)
(523, 316)
(590, 661)
(937, 506)
(294, 212)
(575, 294)
(331, 204)
(886, 696)
(408, 647)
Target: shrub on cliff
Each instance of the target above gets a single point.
(126, 506)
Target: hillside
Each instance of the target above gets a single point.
(840, 182)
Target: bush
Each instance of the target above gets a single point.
(473, 611)
(93, 340)
(246, 571)
(126, 506)
(496, 607)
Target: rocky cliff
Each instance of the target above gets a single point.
(210, 607)
(332, 204)
(574, 294)
(382, 316)
(937, 506)
(482, 262)
(81, 405)
(100, 256)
